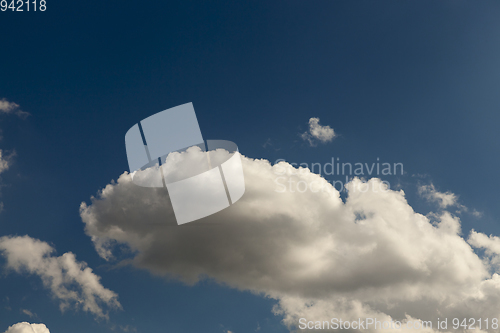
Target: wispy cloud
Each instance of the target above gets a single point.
(444, 200)
(71, 282)
(12, 108)
(28, 313)
(128, 328)
(5, 160)
(477, 213)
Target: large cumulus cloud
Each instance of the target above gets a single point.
(320, 257)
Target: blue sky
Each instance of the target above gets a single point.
(410, 82)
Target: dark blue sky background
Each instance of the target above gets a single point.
(415, 82)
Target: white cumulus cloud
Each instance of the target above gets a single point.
(25, 327)
(71, 282)
(318, 256)
(318, 132)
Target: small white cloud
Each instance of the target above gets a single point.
(6, 106)
(71, 282)
(5, 163)
(5, 160)
(444, 200)
(318, 132)
(25, 327)
(11, 107)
